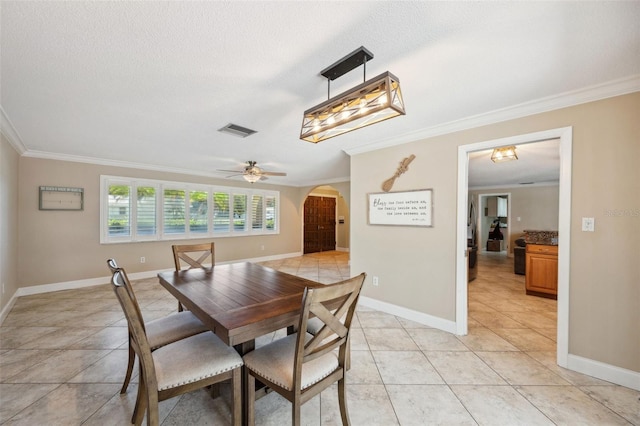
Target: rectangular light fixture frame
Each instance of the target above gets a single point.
(375, 100)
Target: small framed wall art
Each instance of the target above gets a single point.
(61, 198)
(406, 208)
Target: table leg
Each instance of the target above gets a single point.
(242, 349)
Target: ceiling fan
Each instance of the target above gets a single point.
(253, 173)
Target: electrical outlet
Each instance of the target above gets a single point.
(588, 224)
(261, 247)
(375, 281)
(2, 288)
(142, 259)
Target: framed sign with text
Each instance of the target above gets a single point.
(406, 208)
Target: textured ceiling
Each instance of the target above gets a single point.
(149, 83)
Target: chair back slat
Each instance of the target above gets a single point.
(188, 252)
(334, 332)
(113, 266)
(122, 288)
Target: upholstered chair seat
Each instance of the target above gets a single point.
(199, 357)
(275, 362)
(173, 327)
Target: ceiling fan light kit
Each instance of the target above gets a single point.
(252, 173)
(375, 100)
(251, 178)
(505, 153)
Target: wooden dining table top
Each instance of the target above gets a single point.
(239, 301)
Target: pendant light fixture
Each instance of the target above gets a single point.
(506, 153)
(372, 101)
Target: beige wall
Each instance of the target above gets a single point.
(416, 266)
(8, 221)
(61, 246)
(536, 206)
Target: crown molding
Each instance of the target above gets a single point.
(593, 93)
(45, 155)
(10, 132)
(113, 163)
(589, 94)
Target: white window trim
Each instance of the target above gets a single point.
(161, 185)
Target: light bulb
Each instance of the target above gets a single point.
(363, 106)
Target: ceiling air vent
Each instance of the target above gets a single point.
(234, 129)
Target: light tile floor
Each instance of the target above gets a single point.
(63, 356)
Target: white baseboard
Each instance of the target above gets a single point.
(410, 314)
(608, 372)
(597, 369)
(71, 285)
(346, 249)
(7, 308)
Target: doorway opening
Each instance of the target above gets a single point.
(494, 228)
(325, 221)
(564, 230)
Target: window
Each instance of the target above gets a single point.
(146, 211)
(239, 212)
(221, 222)
(199, 212)
(257, 212)
(119, 207)
(149, 210)
(174, 211)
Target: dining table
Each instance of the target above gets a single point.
(239, 302)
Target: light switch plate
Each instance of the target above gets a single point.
(588, 224)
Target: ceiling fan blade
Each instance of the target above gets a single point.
(231, 171)
(273, 173)
(230, 176)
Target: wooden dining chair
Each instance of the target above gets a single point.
(300, 365)
(177, 368)
(194, 256)
(161, 331)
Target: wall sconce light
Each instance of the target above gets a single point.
(506, 153)
(373, 101)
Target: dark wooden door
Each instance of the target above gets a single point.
(319, 224)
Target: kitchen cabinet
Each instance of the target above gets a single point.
(541, 270)
(496, 207)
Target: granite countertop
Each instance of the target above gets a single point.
(541, 237)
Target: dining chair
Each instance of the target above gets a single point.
(161, 331)
(301, 365)
(194, 256)
(179, 367)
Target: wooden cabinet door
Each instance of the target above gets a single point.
(319, 224)
(541, 272)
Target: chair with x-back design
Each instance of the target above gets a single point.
(193, 256)
(300, 365)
